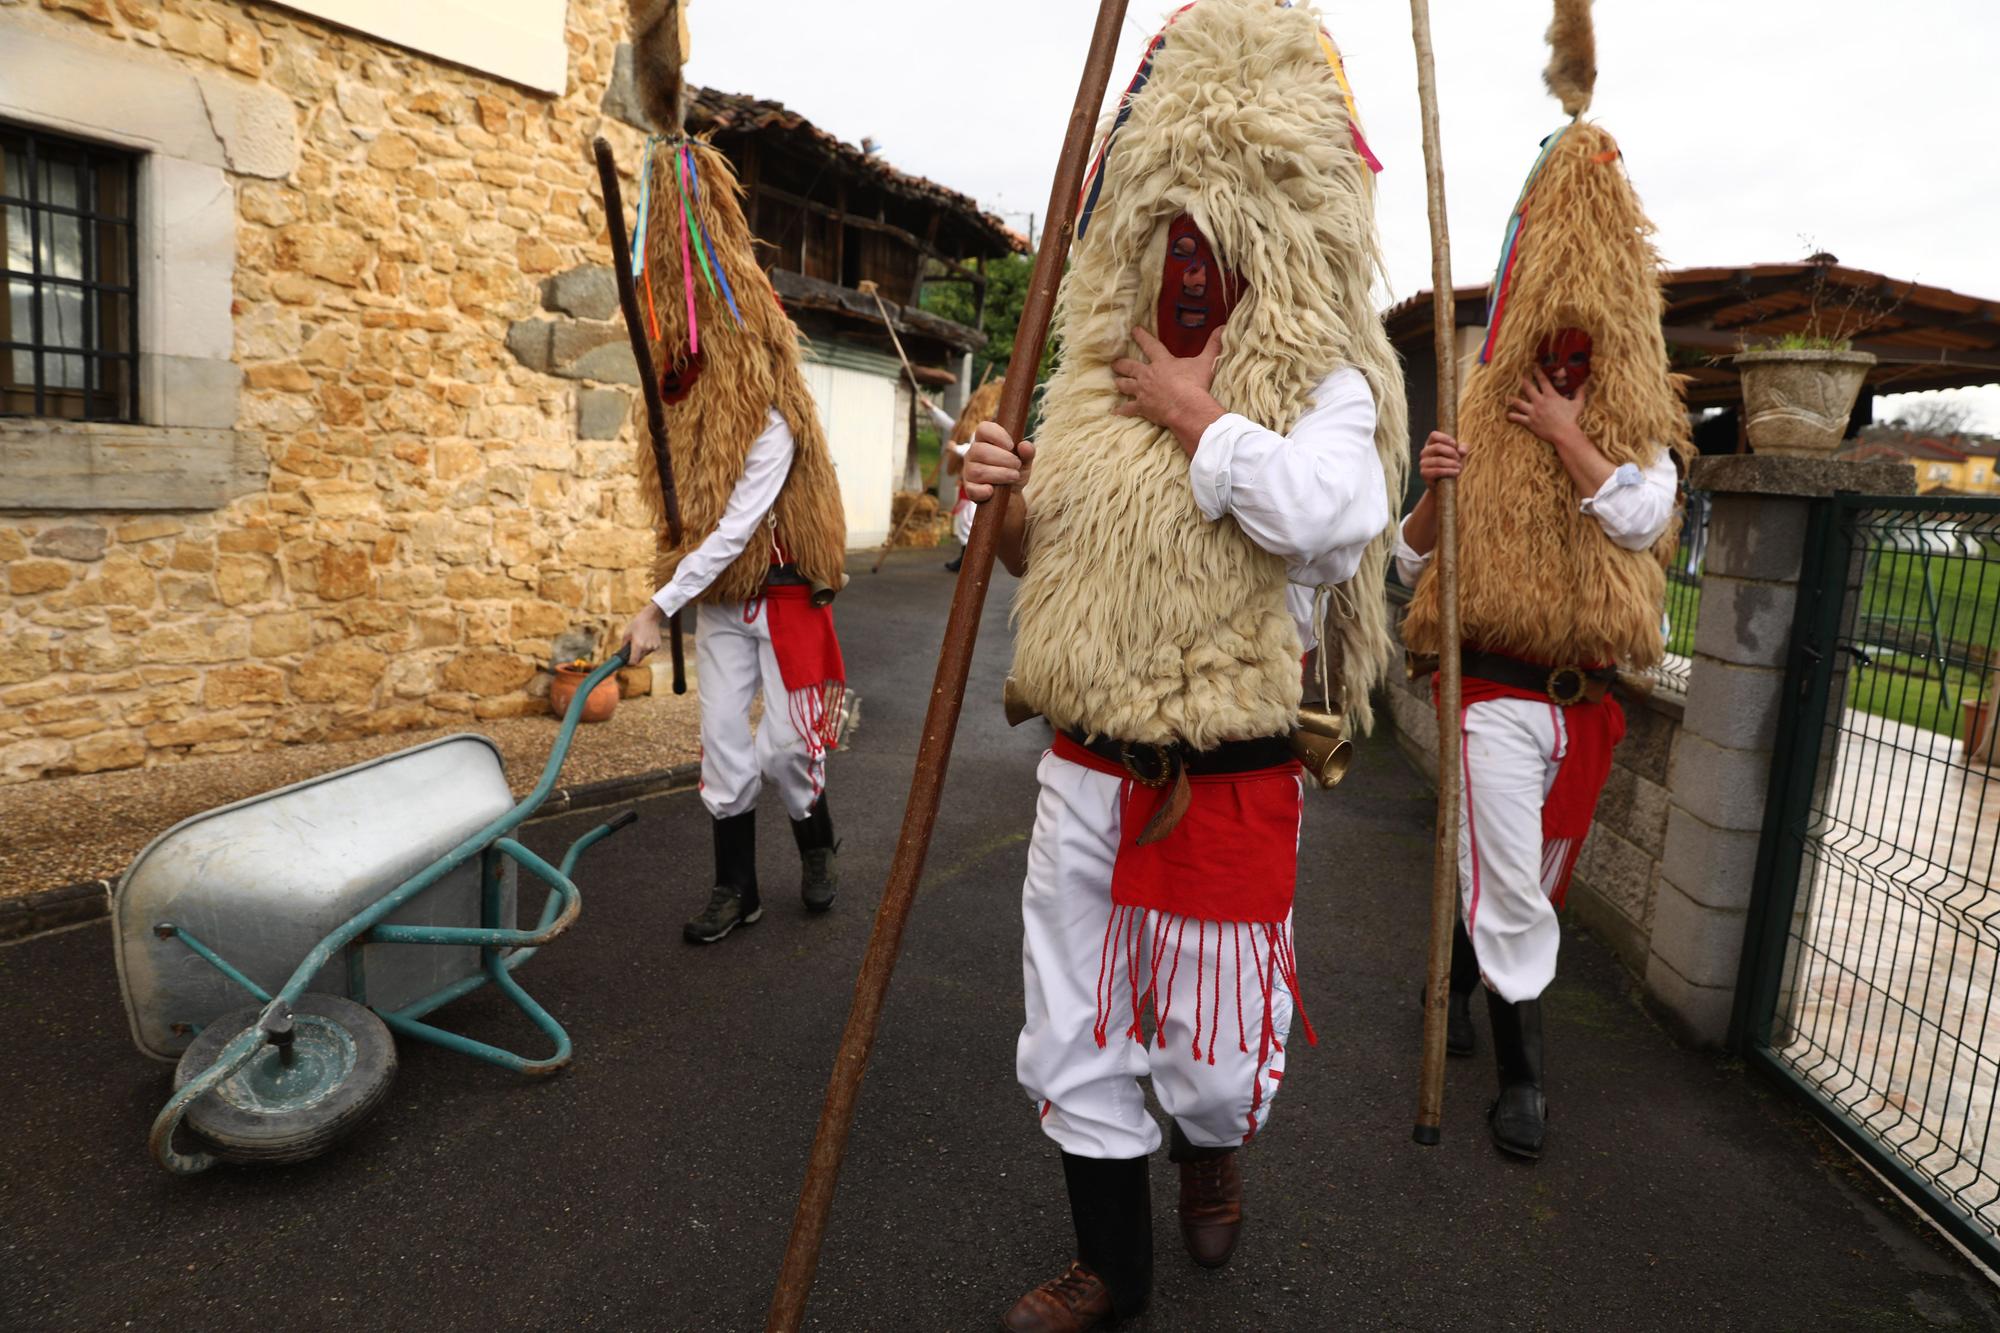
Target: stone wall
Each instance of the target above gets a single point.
(1617, 878)
(428, 514)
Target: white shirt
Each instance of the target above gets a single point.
(1633, 506)
(1314, 499)
(942, 419)
(764, 471)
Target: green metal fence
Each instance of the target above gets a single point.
(1684, 594)
(1872, 954)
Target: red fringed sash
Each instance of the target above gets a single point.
(809, 661)
(1229, 868)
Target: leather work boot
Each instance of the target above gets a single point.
(1068, 1304)
(819, 877)
(733, 901)
(1211, 1199)
(1111, 1206)
(1464, 980)
(1519, 1115)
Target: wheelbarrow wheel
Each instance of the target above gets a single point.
(286, 1110)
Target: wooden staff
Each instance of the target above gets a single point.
(947, 694)
(649, 382)
(1444, 878)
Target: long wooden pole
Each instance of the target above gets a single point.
(1444, 878)
(947, 694)
(649, 382)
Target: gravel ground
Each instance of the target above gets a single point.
(61, 831)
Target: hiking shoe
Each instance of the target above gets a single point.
(726, 910)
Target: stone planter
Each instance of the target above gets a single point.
(597, 708)
(1797, 403)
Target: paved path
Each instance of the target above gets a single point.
(651, 1185)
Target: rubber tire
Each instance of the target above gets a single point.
(238, 1135)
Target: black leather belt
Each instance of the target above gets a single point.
(1563, 685)
(785, 576)
(1156, 765)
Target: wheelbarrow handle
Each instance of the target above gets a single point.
(160, 1141)
(499, 937)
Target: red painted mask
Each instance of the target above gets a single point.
(676, 382)
(1564, 357)
(1196, 292)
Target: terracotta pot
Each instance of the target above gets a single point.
(1797, 402)
(597, 708)
(1975, 712)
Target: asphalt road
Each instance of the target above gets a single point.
(651, 1185)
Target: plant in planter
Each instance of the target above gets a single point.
(1799, 389)
(569, 678)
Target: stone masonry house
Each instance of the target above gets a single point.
(271, 468)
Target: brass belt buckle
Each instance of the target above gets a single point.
(1559, 688)
(1129, 751)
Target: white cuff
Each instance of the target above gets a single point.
(1208, 471)
(1624, 475)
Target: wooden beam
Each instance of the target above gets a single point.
(870, 224)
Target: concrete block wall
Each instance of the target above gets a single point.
(1724, 753)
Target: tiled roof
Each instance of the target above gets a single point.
(710, 110)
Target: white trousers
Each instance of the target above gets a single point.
(1510, 751)
(1210, 981)
(734, 657)
(961, 521)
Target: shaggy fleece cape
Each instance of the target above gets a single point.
(1537, 578)
(747, 368)
(1138, 618)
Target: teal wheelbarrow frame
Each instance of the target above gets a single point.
(262, 1056)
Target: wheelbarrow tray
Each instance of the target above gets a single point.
(263, 881)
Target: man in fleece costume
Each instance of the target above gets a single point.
(1224, 434)
(1572, 431)
(763, 530)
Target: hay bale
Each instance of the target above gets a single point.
(925, 526)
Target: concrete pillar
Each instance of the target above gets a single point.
(1721, 764)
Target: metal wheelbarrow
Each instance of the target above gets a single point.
(349, 907)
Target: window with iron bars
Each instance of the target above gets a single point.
(69, 259)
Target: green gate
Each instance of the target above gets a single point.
(1871, 961)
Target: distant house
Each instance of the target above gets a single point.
(1955, 465)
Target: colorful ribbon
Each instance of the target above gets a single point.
(687, 271)
(722, 274)
(1503, 276)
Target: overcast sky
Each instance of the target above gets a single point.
(1754, 129)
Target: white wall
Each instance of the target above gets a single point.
(518, 40)
(858, 409)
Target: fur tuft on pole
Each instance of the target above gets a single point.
(1572, 72)
(658, 32)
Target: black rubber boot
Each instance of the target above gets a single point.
(733, 901)
(1520, 1114)
(1464, 980)
(819, 877)
(1111, 1204)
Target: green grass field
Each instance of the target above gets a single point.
(1896, 606)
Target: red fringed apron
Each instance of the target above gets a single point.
(1593, 731)
(809, 661)
(1230, 866)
